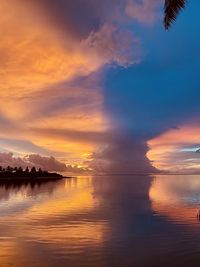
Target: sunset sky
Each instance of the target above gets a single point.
(101, 86)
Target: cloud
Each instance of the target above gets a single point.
(122, 154)
(48, 76)
(36, 68)
(51, 164)
(68, 15)
(144, 11)
(111, 45)
(54, 93)
(78, 22)
(7, 159)
(22, 146)
(175, 150)
(46, 163)
(159, 95)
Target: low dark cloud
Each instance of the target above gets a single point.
(43, 162)
(46, 163)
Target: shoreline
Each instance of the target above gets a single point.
(33, 179)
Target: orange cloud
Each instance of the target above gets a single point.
(50, 76)
(34, 58)
(174, 150)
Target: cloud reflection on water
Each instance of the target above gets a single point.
(100, 221)
(177, 197)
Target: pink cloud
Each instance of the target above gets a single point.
(111, 45)
(46, 163)
(144, 11)
(123, 155)
(7, 159)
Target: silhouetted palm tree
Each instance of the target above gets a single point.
(20, 169)
(171, 10)
(15, 169)
(33, 170)
(8, 169)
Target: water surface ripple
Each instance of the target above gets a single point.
(136, 221)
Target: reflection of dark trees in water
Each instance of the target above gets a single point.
(32, 188)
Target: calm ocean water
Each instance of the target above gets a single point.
(101, 221)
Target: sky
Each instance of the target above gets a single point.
(88, 86)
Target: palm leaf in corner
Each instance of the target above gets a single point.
(171, 10)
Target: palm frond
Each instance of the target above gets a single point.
(171, 10)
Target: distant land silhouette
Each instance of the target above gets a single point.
(18, 173)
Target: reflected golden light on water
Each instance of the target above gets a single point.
(88, 221)
(176, 197)
(60, 216)
(76, 200)
(8, 251)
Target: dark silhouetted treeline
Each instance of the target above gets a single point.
(32, 173)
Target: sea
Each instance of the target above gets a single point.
(101, 221)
